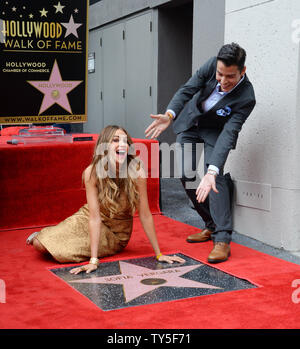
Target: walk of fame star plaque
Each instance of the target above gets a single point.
(141, 281)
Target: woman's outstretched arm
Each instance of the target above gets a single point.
(94, 220)
(148, 223)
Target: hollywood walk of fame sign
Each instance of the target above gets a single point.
(43, 68)
(145, 281)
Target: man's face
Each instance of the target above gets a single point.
(228, 77)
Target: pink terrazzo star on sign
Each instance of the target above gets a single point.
(71, 27)
(138, 280)
(55, 90)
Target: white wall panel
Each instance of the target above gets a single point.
(268, 146)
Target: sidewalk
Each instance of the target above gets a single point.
(175, 204)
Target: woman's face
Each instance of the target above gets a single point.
(119, 147)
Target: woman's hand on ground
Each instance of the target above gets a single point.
(87, 268)
(170, 259)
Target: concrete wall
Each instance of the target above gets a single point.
(208, 37)
(208, 30)
(172, 52)
(107, 11)
(208, 21)
(269, 144)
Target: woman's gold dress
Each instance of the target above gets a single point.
(69, 241)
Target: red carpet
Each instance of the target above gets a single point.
(37, 299)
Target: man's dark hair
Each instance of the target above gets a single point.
(232, 54)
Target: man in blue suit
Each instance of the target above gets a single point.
(210, 108)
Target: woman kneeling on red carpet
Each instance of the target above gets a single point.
(116, 186)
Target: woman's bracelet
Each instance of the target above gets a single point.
(170, 115)
(94, 261)
(158, 256)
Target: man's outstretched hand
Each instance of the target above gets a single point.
(160, 123)
(207, 183)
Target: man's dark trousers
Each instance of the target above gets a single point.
(216, 211)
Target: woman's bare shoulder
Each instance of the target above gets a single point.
(89, 175)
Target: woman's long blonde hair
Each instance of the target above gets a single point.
(111, 187)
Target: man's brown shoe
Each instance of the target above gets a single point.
(204, 235)
(219, 253)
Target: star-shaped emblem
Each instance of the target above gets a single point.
(55, 90)
(71, 27)
(59, 7)
(137, 280)
(43, 12)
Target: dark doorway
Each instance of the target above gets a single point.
(175, 36)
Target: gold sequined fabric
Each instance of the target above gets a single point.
(69, 241)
